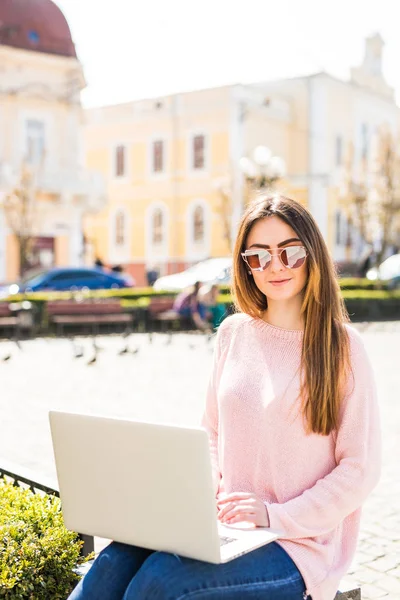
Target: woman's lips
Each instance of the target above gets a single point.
(279, 282)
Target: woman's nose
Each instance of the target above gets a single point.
(276, 263)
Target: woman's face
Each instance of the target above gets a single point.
(277, 281)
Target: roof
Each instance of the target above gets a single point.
(36, 25)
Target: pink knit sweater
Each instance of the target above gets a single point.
(313, 485)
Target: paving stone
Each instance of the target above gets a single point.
(372, 592)
(395, 573)
(367, 576)
(363, 557)
(390, 584)
(385, 563)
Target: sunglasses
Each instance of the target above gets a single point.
(291, 257)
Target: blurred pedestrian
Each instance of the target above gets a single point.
(99, 263)
(188, 306)
(117, 269)
(208, 299)
(152, 274)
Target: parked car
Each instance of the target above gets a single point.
(212, 270)
(388, 271)
(65, 279)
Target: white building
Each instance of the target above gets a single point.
(41, 122)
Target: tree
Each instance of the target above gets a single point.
(20, 208)
(224, 209)
(387, 199)
(371, 199)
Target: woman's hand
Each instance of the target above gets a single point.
(242, 506)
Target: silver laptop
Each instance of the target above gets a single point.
(144, 484)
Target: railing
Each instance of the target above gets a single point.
(26, 478)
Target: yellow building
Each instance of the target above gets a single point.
(172, 164)
(41, 139)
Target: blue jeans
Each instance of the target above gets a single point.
(123, 572)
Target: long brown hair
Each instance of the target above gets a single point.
(325, 352)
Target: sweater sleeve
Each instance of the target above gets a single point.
(210, 418)
(357, 451)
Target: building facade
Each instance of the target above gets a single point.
(175, 190)
(45, 189)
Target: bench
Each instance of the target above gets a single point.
(25, 478)
(8, 318)
(64, 313)
(16, 316)
(161, 312)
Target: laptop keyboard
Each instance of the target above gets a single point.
(225, 540)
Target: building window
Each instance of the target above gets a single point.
(364, 141)
(120, 161)
(119, 229)
(198, 152)
(41, 253)
(338, 228)
(198, 225)
(349, 233)
(338, 150)
(158, 224)
(35, 141)
(158, 156)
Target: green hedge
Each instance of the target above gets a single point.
(356, 292)
(147, 292)
(128, 293)
(355, 295)
(354, 283)
(140, 297)
(362, 305)
(346, 283)
(364, 295)
(37, 553)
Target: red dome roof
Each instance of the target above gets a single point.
(37, 25)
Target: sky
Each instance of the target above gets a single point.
(133, 49)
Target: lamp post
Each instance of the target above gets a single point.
(264, 169)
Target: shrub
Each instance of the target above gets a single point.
(356, 283)
(38, 554)
(367, 295)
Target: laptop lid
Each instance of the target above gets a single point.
(138, 483)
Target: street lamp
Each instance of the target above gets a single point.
(263, 170)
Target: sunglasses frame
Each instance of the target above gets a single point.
(280, 250)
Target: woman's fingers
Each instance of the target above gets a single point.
(228, 506)
(249, 518)
(242, 506)
(237, 509)
(236, 496)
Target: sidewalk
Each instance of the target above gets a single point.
(168, 383)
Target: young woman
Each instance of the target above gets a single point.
(292, 417)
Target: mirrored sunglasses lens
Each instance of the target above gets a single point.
(293, 257)
(265, 260)
(253, 261)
